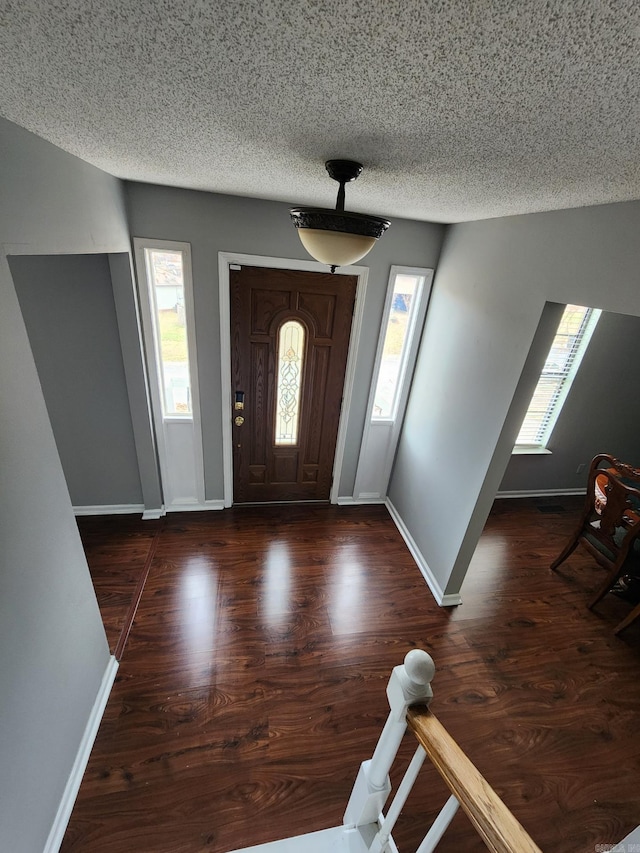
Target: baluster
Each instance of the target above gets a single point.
(445, 816)
(382, 837)
(409, 684)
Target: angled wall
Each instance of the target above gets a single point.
(53, 650)
(492, 282)
(68, 308)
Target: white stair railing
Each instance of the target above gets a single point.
(366, 829)
(410, 686)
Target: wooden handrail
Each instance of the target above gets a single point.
(493, 821)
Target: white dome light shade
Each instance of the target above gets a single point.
(335, 247)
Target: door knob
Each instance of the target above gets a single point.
(239, 420)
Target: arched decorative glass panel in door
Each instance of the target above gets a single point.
(289, 382)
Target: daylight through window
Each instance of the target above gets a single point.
(397, 337)
(569, 345)
(166, 285)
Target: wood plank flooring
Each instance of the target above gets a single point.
(118, 549)
(253, 680)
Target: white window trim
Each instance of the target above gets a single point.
(149, 312)
(407, 346)
(149, 324)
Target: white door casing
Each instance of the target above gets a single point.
(225, 260)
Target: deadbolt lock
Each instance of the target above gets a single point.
(239, 420)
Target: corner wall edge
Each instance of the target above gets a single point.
(59, 826)
(450, 600)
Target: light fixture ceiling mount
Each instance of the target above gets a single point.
(336, 237)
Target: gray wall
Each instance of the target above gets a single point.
(129, 328)
(213, 223)
(68, 309)
(53, 650)
(492, 282)
(601, 413)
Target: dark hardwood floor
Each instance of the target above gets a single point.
(253, 680)
(119, 551)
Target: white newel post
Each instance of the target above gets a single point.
(410, 684)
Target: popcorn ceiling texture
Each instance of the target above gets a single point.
(459, 109)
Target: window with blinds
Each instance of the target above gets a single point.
(569, 345)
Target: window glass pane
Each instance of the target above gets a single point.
(571, 340)
(395, 345)
(167, 285)
(290, 356)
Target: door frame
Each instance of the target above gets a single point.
(224, 261)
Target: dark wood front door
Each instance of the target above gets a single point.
(289, 341)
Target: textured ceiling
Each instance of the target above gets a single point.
(459, 109)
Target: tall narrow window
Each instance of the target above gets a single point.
(569, 345)
(400, 330)
(166, 286)
(290, 358)
(400, 323)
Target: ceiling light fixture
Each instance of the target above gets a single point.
(336, 237)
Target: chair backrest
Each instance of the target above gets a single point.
(612, 514)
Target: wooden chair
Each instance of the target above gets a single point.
(610, 524)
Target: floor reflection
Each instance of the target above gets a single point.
(198, 595)
(275, 604)
(347, 590)
(489, 562)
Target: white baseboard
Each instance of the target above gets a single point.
(109, 509)
(370, 498)
(541, 493)
(195, 507)
(443, 600)
(360, 501)
(82, 757)
(151, 514)
(216, 505)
